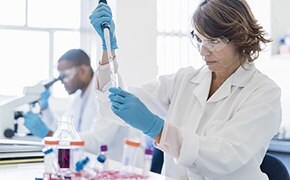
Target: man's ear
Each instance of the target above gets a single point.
(83, 69)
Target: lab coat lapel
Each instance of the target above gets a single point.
(88, 105)
(74, 109)
(222, 92)
(89, 113)
(202, 80)
(238, 79)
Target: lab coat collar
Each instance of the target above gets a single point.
(239, 78)
(200, 74)
(89, 88)
(82, 105)
(243, 74)
(202, 77)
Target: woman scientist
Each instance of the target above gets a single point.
(217, 121)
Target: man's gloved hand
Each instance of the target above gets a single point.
(43, 101)
(102, 14)
(134, 112)
(35, 125)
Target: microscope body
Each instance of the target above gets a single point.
(13, 109)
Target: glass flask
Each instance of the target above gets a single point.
(69, 149)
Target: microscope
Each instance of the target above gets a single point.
(13, 109)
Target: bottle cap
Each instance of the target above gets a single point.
(104, 148)
(77, 143)
(80, 164)
(101, 158)
(132, 143)
(51, 141)
(148, 151)
(47, 151)
(86, 160)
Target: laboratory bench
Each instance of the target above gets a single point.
(24, 160)
(31, 171)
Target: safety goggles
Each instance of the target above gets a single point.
(69, 74)
(212, 45)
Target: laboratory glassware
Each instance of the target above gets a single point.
(51, 166)
(102, 163)
(70, 145)
(129, 158)
(147, 161)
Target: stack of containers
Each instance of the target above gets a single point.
(68, 146)
(51, 166)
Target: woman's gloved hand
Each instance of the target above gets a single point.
(134, 112)
(43, 102)
(102, 14)
(35, 125)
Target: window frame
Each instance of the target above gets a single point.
(88, 38)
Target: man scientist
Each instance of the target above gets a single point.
(79, 81)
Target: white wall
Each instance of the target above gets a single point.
(278, 69)
(273, 15)
(136, 35)
(280, 23)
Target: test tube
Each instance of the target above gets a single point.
(129, 155)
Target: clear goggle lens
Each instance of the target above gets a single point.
(69, 74)
(212, 45)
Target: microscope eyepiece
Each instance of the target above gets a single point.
(60, 77)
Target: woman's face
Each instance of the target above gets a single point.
(219, 54)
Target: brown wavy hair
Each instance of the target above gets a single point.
(232, 19)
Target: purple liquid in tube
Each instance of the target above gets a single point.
(64, 158)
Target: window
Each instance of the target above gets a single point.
(11, 14)
(174, 49)
(54, 13)
(33, 35)
(24, 59)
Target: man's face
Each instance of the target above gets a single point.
(71, 80)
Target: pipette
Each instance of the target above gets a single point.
(106, 28)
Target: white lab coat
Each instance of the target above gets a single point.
(222, 138)
(94, 130)
(81, 109)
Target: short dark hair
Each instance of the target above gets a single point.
(77, 57)
(232, 19)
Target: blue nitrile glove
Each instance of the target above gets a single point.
(35, 125)
(134, 112)
(43, 101)
(102, 14)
